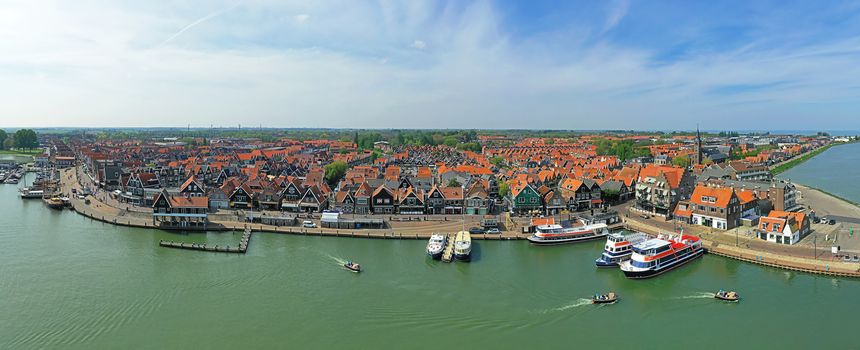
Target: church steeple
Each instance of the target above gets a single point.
(699, 157)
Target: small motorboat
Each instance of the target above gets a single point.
(354, 267)
(727, 295)
(607, 298)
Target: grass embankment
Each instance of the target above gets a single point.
(799, 160)
(17, 152)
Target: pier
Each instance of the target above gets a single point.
(448, 252)
(241, 249)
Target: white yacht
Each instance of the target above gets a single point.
(436, 245)
(463, 246)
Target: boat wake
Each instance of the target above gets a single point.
(339, 261)
(699, 295)
(579, 302)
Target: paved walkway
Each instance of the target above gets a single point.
(99, 209)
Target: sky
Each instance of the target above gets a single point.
(608, 64)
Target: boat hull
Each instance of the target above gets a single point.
(654, 272)
(605, 264)
(435, 256)
(463, 257)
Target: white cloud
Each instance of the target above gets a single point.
(618, 9)
(95, 64)
(302, 18)
(418, 44)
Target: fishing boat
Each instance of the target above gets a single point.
(607, 298)
(618, 248)
(557, 234)
(655, 256)
(436, 245)
(354, 267)
(463, 246)
(55, 203)
(727, 295)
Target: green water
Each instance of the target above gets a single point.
(836, 170)
(68, 282)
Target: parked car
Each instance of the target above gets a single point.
(823, 220)
(855, 258)
(846, 258)
(308, 224)
(494, 230)
(476, 230)
(832, 222)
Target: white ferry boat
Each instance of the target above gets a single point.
(556, 234)
(27, 193)
(463, 246)
(618, 248)
(436, 245)
(655, 256)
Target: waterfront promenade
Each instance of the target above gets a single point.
(103, 208)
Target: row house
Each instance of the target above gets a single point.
(307, 196)
(525, 199)
(170, 211)
(716, 207)
(140, 189)
(658, 189)
(477, 201)
(783, 227)
(581, 194)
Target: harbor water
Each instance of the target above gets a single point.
(836, 170)
(70, 282)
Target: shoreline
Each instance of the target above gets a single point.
(803, 158)
(764, 257)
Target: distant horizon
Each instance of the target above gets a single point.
(234, 128)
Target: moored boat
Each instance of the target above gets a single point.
(55, 203)
(557, 234)
(27, 193)
(352, 266)
(436, 245)
(618, 248)
(463, 246)
(655, 256)
(607, 298)
(727, 295)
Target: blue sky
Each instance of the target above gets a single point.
(611, 64)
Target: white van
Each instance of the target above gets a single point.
(308, 224)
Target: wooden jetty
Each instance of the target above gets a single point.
(448, 252)
(241, 249)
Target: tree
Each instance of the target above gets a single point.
(9, 143)
(681, 161)
(497, 161)
(334, 172)
(3, 137)
(451, 141)
(453, 182)
(26, 139)
(504, 189)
